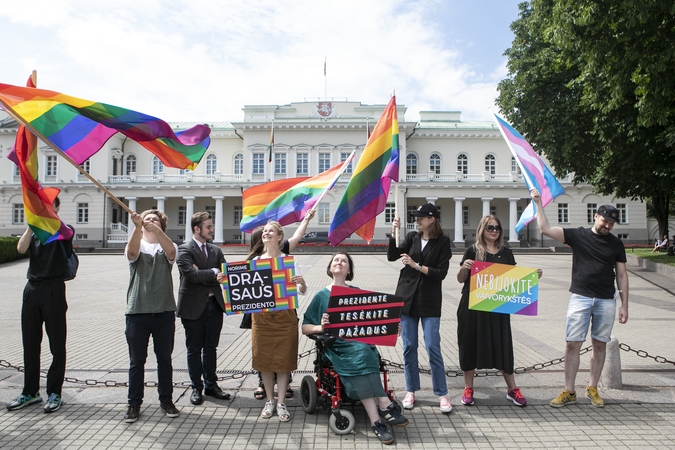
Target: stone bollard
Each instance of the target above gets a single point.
(611, 373)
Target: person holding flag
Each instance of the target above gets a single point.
(598, 262)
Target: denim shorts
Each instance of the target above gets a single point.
(584, 310)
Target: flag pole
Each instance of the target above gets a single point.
(8, 109)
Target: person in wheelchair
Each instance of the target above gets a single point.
(357, 364)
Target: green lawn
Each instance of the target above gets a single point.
(660, 257)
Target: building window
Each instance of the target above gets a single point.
(18, 217)
(623, 217)
(465, 215)
(181, 215)
(591, 209)
(563, 213)
(130, 165)
(411, 164)
(83, 213)
(493, 210)
(435, 164)
(343, 158)
(211, 210)
(280, 163)
(389, 213)
(463, 164)
(324, 162)
(237, 215)
(258, 164)
(491, 164)
(81, 237)
(239, 164)
(52, 165)
(302, 164)
(157, 166)
(514, 166)
(211, 164)
(324, 212)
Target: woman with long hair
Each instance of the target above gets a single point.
(484, 338)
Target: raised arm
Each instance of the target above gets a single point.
(300, 232)
(556, 233)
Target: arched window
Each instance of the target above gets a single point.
(130, 165)
(463, 164)
(239, 164)
(490, 164)
(435, 164)
(514, 166)
(157, 166)
(211, 164)
(411, 164)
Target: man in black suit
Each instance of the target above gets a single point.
(201, 307)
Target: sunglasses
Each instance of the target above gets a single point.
(491, 228)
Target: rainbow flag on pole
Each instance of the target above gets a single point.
(79, 128)
(536, 174)
(37, 202)
(287, 201)
(366, 194)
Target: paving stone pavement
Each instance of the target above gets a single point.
(641, 415)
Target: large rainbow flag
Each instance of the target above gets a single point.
(366, 194)
(79, 128)
(535, 172)
(37, 202)
(287, 201)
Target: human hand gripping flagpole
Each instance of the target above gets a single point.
(8, 109)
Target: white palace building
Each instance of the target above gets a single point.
(464, 167)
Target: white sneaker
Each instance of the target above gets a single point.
(409, 400)
(446, 406)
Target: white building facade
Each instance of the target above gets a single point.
(464, 167)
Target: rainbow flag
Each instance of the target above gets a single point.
(287, 201)
(79, 128)
(366, 194)
(37, 202)
(536, 174)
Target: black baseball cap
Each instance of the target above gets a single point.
(609, 212)
(427, 210)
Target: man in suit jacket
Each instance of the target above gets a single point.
(201, 306)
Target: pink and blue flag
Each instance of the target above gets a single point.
(535, 172)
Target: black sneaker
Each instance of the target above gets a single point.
(393, 415)
(132, 414)
(170, 409)
(383, 433)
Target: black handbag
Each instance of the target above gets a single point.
(246, 322)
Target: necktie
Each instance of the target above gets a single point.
(206, 257)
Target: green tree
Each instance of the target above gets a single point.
(590, 84)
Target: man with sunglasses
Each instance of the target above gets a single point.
(598, 262)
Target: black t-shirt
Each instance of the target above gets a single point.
(594, 259)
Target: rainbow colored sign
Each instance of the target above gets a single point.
(504, 289)
(259, 285)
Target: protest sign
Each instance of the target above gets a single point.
(259, 285)
(504, 289)
(365, 316)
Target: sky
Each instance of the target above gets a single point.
(199, 60)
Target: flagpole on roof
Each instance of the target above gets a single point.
(8, 109)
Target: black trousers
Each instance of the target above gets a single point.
(44, 302)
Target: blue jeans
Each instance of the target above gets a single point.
(139, 328)
(432, 340)
(201, 339)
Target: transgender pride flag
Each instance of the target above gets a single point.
(536, 174)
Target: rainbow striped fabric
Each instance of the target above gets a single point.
(286, 201)
(37, 202)
(79, 128)
(366, 194)
(536, 174)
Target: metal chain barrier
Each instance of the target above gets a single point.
(236, 374)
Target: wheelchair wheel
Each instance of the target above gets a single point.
(308, 394)
(344, 425)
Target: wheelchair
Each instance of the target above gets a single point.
(327, 391)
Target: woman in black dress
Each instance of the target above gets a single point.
(484, 338)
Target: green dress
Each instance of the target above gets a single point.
(357, 364)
